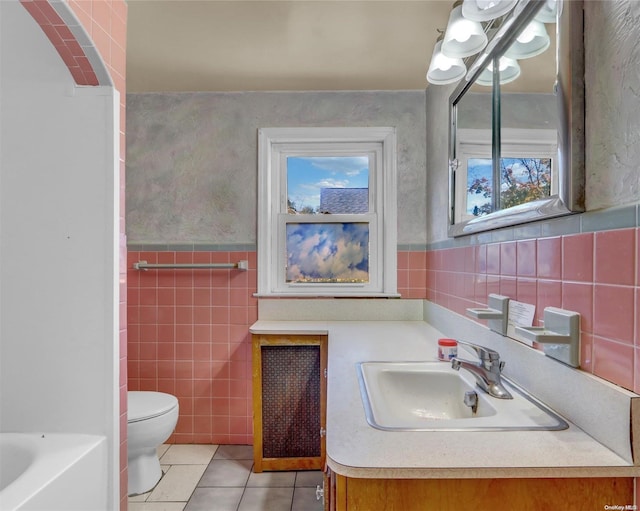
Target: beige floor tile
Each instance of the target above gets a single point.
(304, 499)
(156, 506)
(188, 454)
(310, 478)
(266, 499)
(140, 498)
(234, 452)
(215, 499)
(178, 483)
(227, 473)
(271, 479)
(219, 478)
(161, 449)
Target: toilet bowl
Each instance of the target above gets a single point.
(151, 418)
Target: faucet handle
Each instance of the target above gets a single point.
(484, 354)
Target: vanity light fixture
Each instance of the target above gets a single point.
(442, 69)
(486, 10)
(463, 37)
(533, 41)
(509, 71)
(548, 13)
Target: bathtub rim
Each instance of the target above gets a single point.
(55, 453)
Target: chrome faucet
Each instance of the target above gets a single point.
(487, 371)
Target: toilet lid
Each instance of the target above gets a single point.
(146, 405)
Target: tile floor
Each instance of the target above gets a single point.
(219, 478)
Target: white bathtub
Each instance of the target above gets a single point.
(53, 472)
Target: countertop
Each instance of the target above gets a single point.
(355, 449)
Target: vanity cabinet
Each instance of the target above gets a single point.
(494, 470)
(289, 401)
(332, 502)
(577, 494)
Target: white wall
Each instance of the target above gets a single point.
(58, 243)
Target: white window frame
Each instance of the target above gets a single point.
(515, 143)
(274, 144)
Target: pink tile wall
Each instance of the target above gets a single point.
(412, 274)
(189, 336)
(105, 21)
(595, 274)
(63, 40)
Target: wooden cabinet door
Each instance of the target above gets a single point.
(289, 402)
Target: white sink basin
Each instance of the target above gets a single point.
(429, 396)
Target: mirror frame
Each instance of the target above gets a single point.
(569, 92)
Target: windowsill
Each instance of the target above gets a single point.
(327, 295)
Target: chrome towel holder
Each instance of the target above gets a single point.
(240, 265)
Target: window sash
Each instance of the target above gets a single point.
(283, 151)
(375, 270)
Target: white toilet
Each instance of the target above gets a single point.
(151, 418)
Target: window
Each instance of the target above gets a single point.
(327, 212)
(527, 170)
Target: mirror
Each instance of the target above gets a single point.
(520, 124)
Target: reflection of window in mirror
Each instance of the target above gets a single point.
(522, 180)
(527, 170)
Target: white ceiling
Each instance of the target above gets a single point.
(260, 45)
(238, 45)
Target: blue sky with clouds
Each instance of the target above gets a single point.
(327, 252)
(308, 174)
(477, 168)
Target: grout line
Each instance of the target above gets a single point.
(244, 487)
(241, 497)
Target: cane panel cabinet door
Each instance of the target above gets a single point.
(289, 401)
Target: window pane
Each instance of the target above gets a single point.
(522, 180)
(479, 186)
(327, 252)
(327, 184)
